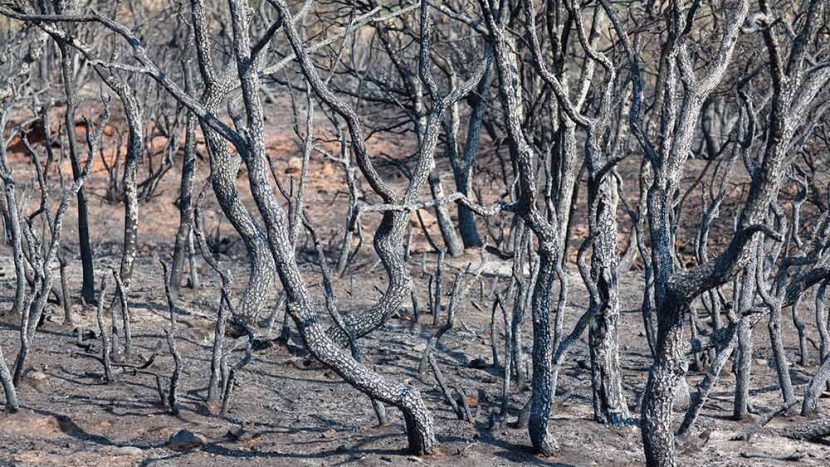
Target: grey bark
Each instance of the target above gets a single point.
(184, 238)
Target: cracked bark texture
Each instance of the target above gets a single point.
(417, 418)
(546, 232)
(224, 168)
(606, 376)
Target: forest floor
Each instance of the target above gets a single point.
(292, 411)
(288, 410)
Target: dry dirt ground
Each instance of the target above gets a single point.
(292, 411)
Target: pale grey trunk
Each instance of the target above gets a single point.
(743, 360)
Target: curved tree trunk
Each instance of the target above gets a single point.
(300, 306)
(8, 386)
(223, 171)
(262, 275)
(14, 233)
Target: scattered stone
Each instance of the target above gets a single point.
(294, 166)
(761, 361)
(185, 440)
(127, 451)
(477, 363)
(471, 399)
(329, 434)
(38, 376)
(235, 433)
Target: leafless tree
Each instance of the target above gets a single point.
(677, 145)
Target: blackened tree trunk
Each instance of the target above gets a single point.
(462, 164)
(461, 160)
(600, 157)
(545, 231)
(8, 385)
(13, 221)
(674, 291)
(542, 383)
(609, 402)
(67, 67)
(300, 305)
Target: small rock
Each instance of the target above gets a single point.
(38, 376)
(329, 434)
(185, 440)
(477, 363)
(213, 407)
(471, 399)
(761, 361)
(420, 347)
(127, 451)
(294, 165)
(236, 433)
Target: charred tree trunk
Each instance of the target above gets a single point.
(184, 242)
(11, 214)
(135, 147)
(462, 167)
(300, 306)
(88, 285)
(743, 360)
(542, 382)
(8, 385)
(609, 402)
(223, 171)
